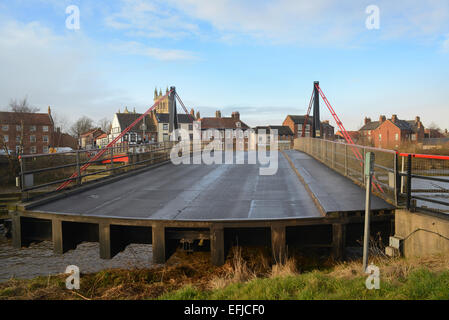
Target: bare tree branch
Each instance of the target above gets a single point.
(22, 106)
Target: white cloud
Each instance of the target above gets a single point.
(137, 48)
(54, 70)
(446, 44)
(283, 21)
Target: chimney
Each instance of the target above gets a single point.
(192, 113)
(218, 114)
(382, 118)
(236, 115)
(367, 120)
(49, 110)
(394, 118)
(417, 119)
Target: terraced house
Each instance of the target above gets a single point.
(391, 133)
(28, 133)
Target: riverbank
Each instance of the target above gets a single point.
(247, 274)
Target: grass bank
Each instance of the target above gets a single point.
(248, 274)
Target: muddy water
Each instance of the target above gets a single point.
(39, 259)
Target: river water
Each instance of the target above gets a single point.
(39, 259)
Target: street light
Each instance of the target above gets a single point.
(143, 127)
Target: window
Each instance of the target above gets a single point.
(32, 138)
(414, 137)
(33, 149)
(45, 149)
(45, 138)
(166, 137)
(17, 138)
(5, 127)
(396, 136)
(32, 128)
(380, 137)
(6, 138)
(18, 128)
(126, 138)
(17, 149)
(369, 132)
(133, 137)
(190, 127)
(45, 128)
(165, 126)
(238, 124)
(299, 127)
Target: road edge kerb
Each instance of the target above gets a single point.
(306, 186)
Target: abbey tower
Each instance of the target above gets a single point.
(163, 106)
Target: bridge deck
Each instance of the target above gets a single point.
(335, 192)
(219, 192)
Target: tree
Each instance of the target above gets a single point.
(434, 126)
(81, 126)
(21, 106)
(104, 124)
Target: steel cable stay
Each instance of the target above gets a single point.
(113, 142)
(347, 137)
(312, 98)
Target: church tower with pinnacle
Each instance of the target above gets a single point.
(163, 105)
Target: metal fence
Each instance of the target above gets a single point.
(413, 181)
(44, 173)
(348, 160)
(425, 181)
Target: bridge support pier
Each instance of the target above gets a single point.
(16, 231)
(217, 250)
(278, 243)
(159, 248)
(338, 240)
(104, 230)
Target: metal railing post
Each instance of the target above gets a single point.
(112, 160)
(22, 179)
(396, 179)
(78, 168)
(409, 181)
(346, 160)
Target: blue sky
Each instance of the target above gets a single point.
(256, 57)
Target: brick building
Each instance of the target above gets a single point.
(295, 123)
(31, 132)
(222, 123)
(63, 140)
(88, 139)
(284, 132)
(391, 133)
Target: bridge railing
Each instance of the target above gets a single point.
(414, 181)
(42, 174)
(348, 160)
(425, 181)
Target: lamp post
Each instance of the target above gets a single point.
(143, 127)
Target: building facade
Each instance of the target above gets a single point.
(296, 123)
(144, 131)
(26, 133)
(88, 139)
(391, 133)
